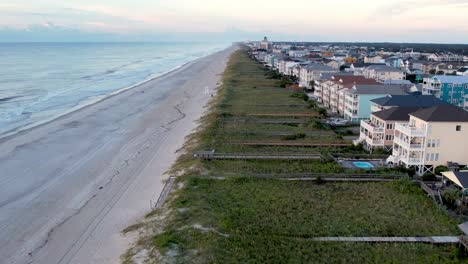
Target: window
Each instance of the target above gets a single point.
(390, 126)
(436, 157)
(429, 142)
(458, 128)
(427, 156)
(389, 137)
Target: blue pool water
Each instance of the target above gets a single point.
(363, 165)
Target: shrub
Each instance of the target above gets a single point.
(411, 172)
(429, 177)
(439, 169)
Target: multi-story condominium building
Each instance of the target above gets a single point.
(358, 99)
(391, 101)
(379, 130)
(433, 136)
(312, 72)
(324, 77)
(331, 96)
(383, 72)
(448, 88)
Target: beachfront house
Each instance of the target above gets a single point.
(379, 130)
(430, 138)
(312, 72)
(333, 90)
(449, 88)
(358, 99)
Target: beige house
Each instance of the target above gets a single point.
(383, 72)
(432, 137)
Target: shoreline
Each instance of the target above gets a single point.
(7, 134)
(72, 185)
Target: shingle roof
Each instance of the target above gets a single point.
(328, 75)
(442, 113)
(396, 113)
(350, 80)
(380, 89)
(408, 100)
(319, 67)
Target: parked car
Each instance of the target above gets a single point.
(337, 122)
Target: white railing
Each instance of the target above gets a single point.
(410, 131)
(367, 124)
(374, 142)
(407, 145)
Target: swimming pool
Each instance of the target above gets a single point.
(363, 165)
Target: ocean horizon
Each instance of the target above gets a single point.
(40, 82)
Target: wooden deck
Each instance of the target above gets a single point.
(256, 156)
(431, 239)
(290, 144)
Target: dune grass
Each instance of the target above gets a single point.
(249, 220)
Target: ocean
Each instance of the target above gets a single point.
(42, 81)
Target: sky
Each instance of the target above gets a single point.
(436, 21)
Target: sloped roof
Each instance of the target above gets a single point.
(380, 89)
(318, 67)
(396, 113)
(442, 113)
(350, 80)
(408, 100)
(460, 178)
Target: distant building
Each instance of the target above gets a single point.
(383, 72)
(449, 88)
(265, 44)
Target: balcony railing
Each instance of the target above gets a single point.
(372, 127)
(410, 131)
(374, 142)
(407, 160)
(407, 145)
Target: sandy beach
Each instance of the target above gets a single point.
(69, 187)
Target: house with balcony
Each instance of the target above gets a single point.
(433, 136)
(358, 99)
(379, 130)
(448, 88)
(407, 100)
(325, 77)
(311, 72)
(383, 72)
(334, 88)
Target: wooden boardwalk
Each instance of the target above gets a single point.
(292, 121)
(165, 192)
(431, 239)
(290, 144)
(234, 156)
